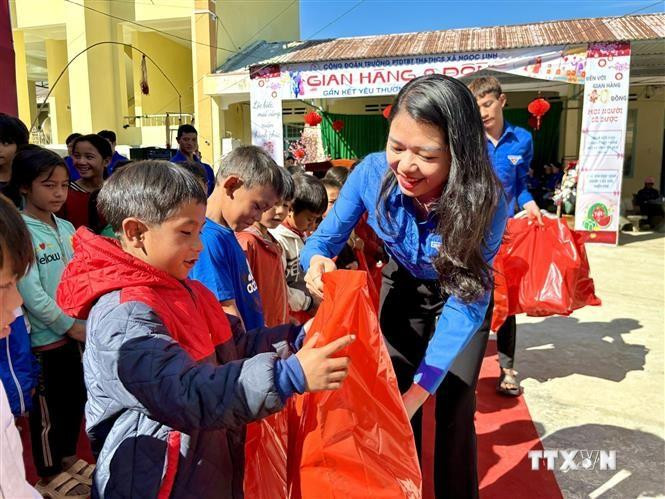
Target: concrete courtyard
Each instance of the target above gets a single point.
(594, 381)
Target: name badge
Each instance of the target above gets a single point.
(514, 158)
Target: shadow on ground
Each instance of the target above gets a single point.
(639, 458)
(560, 346)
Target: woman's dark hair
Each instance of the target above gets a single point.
(72, 137)
(472, 192)
(30, 162)
(15, 241)
(100, 143)
(338, 174)
(13, 130)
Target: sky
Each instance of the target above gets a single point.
(341, 18)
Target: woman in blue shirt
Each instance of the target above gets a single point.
(434, 200)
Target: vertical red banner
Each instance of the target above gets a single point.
(8, 101)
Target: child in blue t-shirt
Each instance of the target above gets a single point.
(248, 183)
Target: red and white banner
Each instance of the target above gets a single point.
(601, 158)
(266, 111)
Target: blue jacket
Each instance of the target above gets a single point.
(18, 368)
(170, 383)
(179, 156)
(511, 158)
(414, 245)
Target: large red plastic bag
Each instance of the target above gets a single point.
(540, 271)
(353, 442)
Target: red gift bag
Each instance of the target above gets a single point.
(353, 442)
(540, 271)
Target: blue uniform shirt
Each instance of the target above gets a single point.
(73, 172)
(114, 159)
(511, 158)
(222, 267)
(414, 245)
(179, 156)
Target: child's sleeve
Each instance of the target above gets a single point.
(214, 271)
(265, 339)
(136, 362)
(40, 305)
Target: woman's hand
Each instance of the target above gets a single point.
(413, 398)
(318, 266)
(533, 212)
(77, 331)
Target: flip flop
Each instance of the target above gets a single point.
(505, 378)
(60, 487)
(82, 471)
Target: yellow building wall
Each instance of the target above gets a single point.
(176, 62)
(38, 13)
(154, 10)
(59, 106)
(242, 23)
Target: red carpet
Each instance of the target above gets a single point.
(505, 436)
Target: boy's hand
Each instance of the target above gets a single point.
(413, 398)
(321, 371)
(318, 266)
(77, 332)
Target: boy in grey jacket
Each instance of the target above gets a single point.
(171, 383)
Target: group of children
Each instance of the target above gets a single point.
(183, 307)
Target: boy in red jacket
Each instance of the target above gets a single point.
(264, 255)
(171, 384)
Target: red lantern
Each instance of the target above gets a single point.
(299, 153)
(538, 107)
(338, 125)
(312, 118)
(387, 110)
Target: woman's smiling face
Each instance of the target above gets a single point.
(419, 156)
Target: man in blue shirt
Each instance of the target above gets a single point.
(111, 137)
(188, 144)
(510, 149)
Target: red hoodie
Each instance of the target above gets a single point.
(190, 312)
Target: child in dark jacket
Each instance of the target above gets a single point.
(171, 384)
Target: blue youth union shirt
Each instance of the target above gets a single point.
(511, 158)
(222, 267)
(414, 245)
(179, 156)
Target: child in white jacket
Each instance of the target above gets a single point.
(309, 204)
(14, 235)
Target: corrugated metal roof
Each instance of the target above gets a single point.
(575, 31)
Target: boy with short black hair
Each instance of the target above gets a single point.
(309, 204)
(188, 144)
(13, 134)
(170, 385)
(248, 183)
(69, 159)
(111, 137)
(264, 255)
(510, 149)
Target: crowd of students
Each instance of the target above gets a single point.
(169, 305)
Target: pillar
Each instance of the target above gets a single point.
(204, 61)
(61, 116)
(25, 90)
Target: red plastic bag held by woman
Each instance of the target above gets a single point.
(355, 442)
(540, 271)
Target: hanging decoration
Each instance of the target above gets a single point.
(338, 125)
(386, 111)
(538, 107)
(533, 122)
(145, 89)
(312, 118)
(298, 151)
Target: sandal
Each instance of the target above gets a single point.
(60, 487)
(82, 471)
(508, 379)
